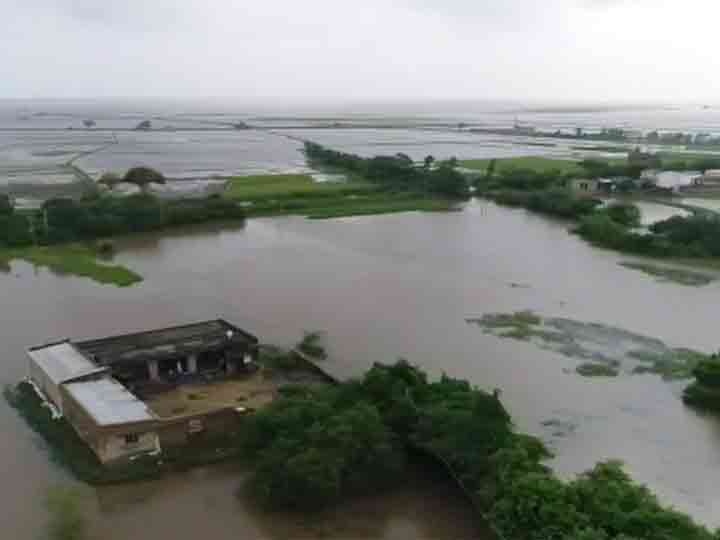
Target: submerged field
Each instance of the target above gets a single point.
(604, 350)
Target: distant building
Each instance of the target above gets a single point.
(123, 394)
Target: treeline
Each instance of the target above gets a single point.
(696, 236)
(312, 447)
(63, 220)
(14, 227)
(395, 173)
(556, 202)
(704, 392)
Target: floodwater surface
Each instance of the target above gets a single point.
(382, 287)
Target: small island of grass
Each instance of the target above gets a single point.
(596, 370)
(73, 259)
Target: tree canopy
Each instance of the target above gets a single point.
(314, 446)
(395, 173)
(142, 176)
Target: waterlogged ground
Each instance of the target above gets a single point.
(602, 350)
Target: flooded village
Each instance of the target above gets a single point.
(135, 375)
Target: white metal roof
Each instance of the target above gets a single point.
(109, 402)
(63, 362)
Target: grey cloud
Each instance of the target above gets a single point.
(509, 49)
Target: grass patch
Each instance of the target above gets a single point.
(538, 164)
(509, 320)
(592, 369)
(298, 194)
(289, 186)
(674, 275)
(72, 259)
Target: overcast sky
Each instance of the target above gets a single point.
(561, 50)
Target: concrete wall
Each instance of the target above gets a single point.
(108, 442)
(47, 386)
(114, 447)
(179, 431)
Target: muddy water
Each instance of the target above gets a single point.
(382, 287)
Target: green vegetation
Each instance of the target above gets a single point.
(66, 220)
(395, 173)
(607, 350)
(556, 202)
(312, 345)
(596, 370)
(672, 364)
(694, 237)
(66, 519)
(704, 392)
(627, 215)
(687, 161)
(680, 276)
(142, 176)
(312, 448)
(546, 191)
(273, 195)
(72, 259)
(535, 164)
(37, 235)
(291, 186)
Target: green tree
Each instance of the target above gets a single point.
(6, 206)
(142, 176)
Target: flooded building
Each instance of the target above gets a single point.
(137, 393)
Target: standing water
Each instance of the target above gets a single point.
(381, 287)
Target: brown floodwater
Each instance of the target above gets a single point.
(382, 287)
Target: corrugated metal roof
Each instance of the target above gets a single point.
(109, 402)
(63, 362)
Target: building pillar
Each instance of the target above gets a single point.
(192, 364)
(154, 370)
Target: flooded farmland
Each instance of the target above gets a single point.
(382, 287)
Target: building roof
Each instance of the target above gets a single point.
(108, 402)
(63, 362)
(165, 343)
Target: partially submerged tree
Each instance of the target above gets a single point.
(142, 176)
(704, 393)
